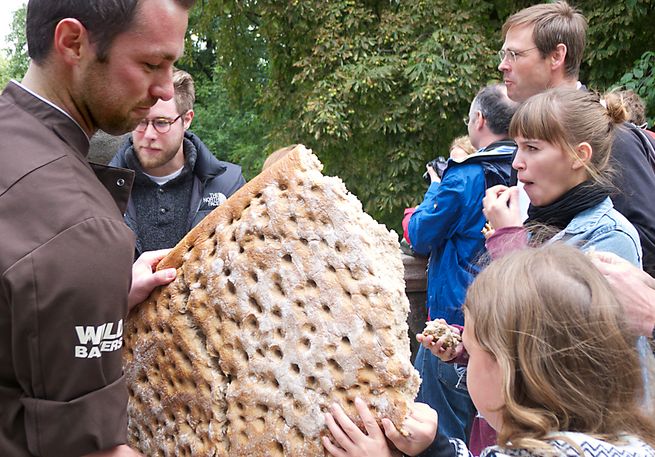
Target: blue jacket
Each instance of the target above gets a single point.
(448, 224)
(603, 228)
(214, 181)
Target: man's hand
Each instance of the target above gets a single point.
(118, 451)
(421, 428)
(434, 177)
(145, 278)
(500, 206)
(633, 287)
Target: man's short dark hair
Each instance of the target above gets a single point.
(496, 107)
(103, 19)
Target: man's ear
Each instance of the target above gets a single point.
(71, 40)
(558, 56)
(583, 152)
(480, 120)
(187, 118)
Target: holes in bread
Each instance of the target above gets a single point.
(277, 449)
(309, 328)
(311, 283)
(287, 258)
(277, 352)
(304, 345)
(326, 309)
(370, 330)
(259, 425)
(254, 305)
(261, 409)
(345, 345)
(311, 382)
(231, 287)
(251, 323)
(298, 407)
(335, 368)
(243, 438)
(277, 284)
(295, 368)
(280, 333)
(276, 312)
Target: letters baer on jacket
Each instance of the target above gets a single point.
(65, 272)
(213, 181)
(448, 224)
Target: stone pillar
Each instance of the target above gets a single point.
(415, 289)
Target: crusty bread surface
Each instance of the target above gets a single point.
(288, 297)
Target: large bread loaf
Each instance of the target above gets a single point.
(288, 297)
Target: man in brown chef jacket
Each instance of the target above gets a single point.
(66, 274)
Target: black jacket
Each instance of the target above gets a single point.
(635, 187)
(214, 181)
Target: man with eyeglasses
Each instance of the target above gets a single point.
(543, 48)
(178, 180)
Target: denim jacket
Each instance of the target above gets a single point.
(602, 228)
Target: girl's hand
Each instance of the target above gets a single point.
(436, 346)
(421, 428)
(350, 441)
(500, 206)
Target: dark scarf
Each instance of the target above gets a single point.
(562, 211)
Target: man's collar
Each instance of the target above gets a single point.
(44, 100)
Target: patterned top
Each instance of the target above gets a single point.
(629, 446)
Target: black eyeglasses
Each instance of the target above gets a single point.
(512, 54)
(161, 124)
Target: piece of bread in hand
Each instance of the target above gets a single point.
(438, 329)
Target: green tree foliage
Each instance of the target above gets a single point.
(378, 88)
(641, 79)
(619, 32)
(373, 87)
(15, 64)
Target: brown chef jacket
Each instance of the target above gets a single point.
(65, 266)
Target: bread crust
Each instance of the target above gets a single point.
(288, 297)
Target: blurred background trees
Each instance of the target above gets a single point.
(376, 88)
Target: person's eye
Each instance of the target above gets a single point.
(161, 123)
(151, 66)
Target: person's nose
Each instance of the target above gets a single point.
(504, 66)
(162, 87)
(518, 163)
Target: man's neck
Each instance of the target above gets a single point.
(39, 80)
(488, 139)
(570, 83)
